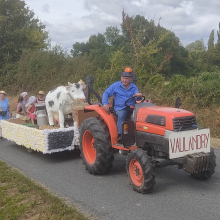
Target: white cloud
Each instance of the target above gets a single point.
(171, 3)
(46, 8)
(69, 21)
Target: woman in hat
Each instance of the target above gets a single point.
(5, 112)
(41, 97)
(25, 97)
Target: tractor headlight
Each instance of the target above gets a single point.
(156, 120)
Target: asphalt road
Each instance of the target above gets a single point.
(176, 195)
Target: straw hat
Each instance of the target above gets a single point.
(2, 92)
(41, 93)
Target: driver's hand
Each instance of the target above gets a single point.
(106, 107)
(138, 94)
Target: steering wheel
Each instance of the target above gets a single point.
(133, 97)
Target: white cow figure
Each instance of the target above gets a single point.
(61, 99)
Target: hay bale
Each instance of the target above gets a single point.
(49, 127)
(78, 104)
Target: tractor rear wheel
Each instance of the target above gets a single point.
(140, 171)
(95, 146)
(204, 175)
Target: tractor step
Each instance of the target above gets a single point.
(122, 147)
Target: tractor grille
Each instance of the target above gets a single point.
(184, 123)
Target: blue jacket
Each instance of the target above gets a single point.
(121, 94)
(4, 106)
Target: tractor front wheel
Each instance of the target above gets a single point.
(140, 171)
(95, 146)
(204, 175)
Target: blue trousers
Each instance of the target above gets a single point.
(122, 115)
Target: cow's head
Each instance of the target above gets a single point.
(75, 90)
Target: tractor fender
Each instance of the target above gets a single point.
(109, 120)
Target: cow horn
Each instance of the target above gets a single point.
(69, 84)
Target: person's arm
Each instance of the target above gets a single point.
(108, 93)
(18, 110)
(9, 109)
(137, 93)
(28, 109)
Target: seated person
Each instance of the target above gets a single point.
(20, 108)
(41, 97)
(121, 90)
(25, 98)
(5, 112)
(31, 108)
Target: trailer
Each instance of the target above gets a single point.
(46, 141)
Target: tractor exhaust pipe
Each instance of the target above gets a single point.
(89, 86)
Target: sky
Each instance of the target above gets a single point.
(71, 21)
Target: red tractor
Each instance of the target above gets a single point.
(153, 137)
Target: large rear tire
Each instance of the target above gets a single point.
(204, 175)
(95, 146)
(140, 171)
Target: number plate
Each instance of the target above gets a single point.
(188, 142)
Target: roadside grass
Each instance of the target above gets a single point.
(215, 142)
(22, 198)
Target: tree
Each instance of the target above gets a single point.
(217, 45)
(19, 31)
(112, 35)
(218, 33)
(211, 40)
(94, 42)
(79, 49)
(152, 45)
(197, 45)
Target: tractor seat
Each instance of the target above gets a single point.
(112, 111)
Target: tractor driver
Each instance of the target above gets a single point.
(121, 90)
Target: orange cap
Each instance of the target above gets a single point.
(128, 69)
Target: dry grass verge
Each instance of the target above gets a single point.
(215, 142)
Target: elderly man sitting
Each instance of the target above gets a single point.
(121, 90)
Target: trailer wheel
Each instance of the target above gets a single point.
(204, 175)
(95, 146)
(140, 171)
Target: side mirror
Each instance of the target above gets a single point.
(178, 102)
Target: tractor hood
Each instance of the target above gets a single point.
(163, 111)
(155, 119)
